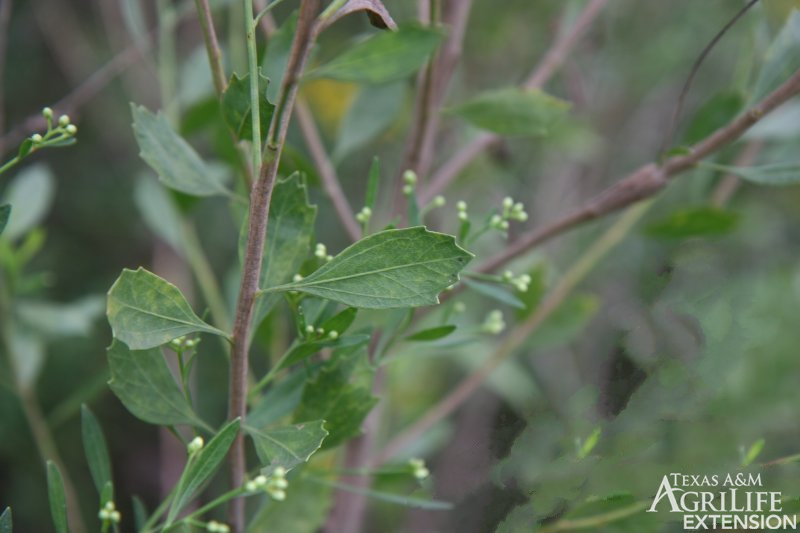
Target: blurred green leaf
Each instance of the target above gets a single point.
(590, 443)
(495, 292)
(782, 59)
(5, 212)
(281, 399)
(139, 513)
(289, 233)
(566, 323)
(693, 222)
(288, 446)
(303, 350)
(753, 452)
(145, 311)
(375, 108)
(53, 320)
(783, 125)
(28, 352)
(25, 148)
(177, 164)
(94, 446)
(718, 111)
(777, 174)
(236, 107)
(277, 57)
(618, 514)
(341, 321)
(306, 506)
(144, 384)
(389, 497)
(393, 268)
(107, 493)
(384, 57)
(6, 521)
(159, 212)
(201, 466)
(514, 111)
(58, 500)
(342, 405)
(31, 193)
(432, 334)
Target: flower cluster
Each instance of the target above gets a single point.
(511, 211)
(321, 252)
(461, 207)
(275, 484)
(62, 130)
(520, 282)
(109, 513)
(410, 180)
(364, 215)
(217, 527)
(181, 344)
(311, 330)
(494, 323)
(418, 469)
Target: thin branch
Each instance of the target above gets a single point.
(212, 45)
(260, 197)
(643, 183)
(647, 180)
(327, 172)
(552, 60)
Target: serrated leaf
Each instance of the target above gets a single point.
(6, 521)
(394, 268)
(385, 57)
(432, 334)
(201, 466)
(57, 498)
(514, 111)
(496, 293)
(143, 383)
(290, 231)
(177, 164)
(5, 212)
(777, 174)
(782, 59)
(94, 446)
(341, 404)
(374, 109)
(146, 311)
(694, 222)
(236, 107)
(159, 212)
(288, 446)
(31, 193)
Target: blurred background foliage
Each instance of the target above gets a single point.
(681, 347)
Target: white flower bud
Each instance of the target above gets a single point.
(72, 129)
(250, 486)
(333, 334)
(321, 251)
(461, 205)
(279, 471)
(496, 221)
(504, 224)
(410, 177)
(309, 329)
(47, 113)
(195, 445)
(321, 331)
(36, 138)
(439, 201)
(462, 215)
(115, 517)
(63, 120)
(459, 307)
(297, 277)
(260, 481)
(408, 190)
(508, 202)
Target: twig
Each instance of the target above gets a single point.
(548, 66)
(212, 46)
(647, 180)
(260, 197)
(643, 183)
(327, 172)
(517, 336)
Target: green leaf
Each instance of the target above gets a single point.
(25, 148)
(139, 513)
(432, 334)
(304, 350)
(236, 107)
(387, 56)
(31, 193)
(94, 446)
(394, 268)
(6, 521)
(177, 164)
(718, 111)
(159, 212)
(375, 108)
(332, 398)
(55, 320)
(514, 111)
(5, 212)
(145, 311)
(389, 497)
(201, 466)
(495, 292)
(566, 323)
(694, 222)
(290, 231)
(782, 59)
(340, 322)
(777, 174)
(281, 399)
(28, 351)
(617, 513)
(753, 452)
(143, 383)
(304, 511)
(590, 443)
(58, 500)
(288, 446)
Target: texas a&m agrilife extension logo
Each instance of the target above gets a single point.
(736, 504)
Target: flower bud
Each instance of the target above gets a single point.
(63, 120)
(72, 129)
(47, 113)
(36, 138)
